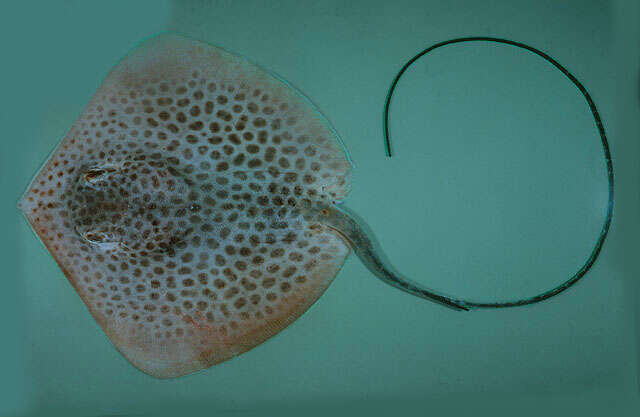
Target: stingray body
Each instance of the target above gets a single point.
(192, 206)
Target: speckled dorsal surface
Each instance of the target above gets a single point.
(172, 205)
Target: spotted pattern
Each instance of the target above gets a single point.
(174, 205)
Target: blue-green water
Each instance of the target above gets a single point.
(496, 190)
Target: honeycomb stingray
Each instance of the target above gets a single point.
(192, 206)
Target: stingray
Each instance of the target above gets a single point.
(193, 206)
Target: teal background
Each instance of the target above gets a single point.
(496, 191)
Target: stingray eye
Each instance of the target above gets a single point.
(94, 174)
(94, 237)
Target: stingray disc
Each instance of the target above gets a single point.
(173, 205)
